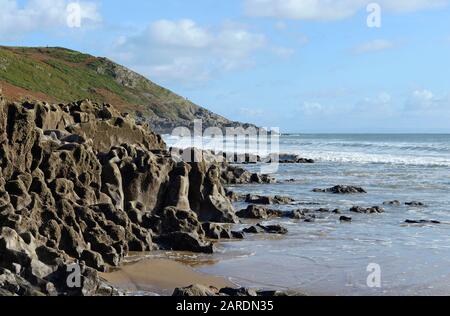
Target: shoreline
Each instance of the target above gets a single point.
(160, 276)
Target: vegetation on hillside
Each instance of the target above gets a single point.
(63, 75)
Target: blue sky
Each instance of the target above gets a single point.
(300, 65)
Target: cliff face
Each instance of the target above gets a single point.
(62, 75)
(82, 182)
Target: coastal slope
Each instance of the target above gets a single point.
(63, 75)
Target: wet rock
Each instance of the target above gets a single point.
(409, 221)
(181, 241)
(392, 203)
(299, 214)
(271, 229)
(369, 210)
(415, 204)
(235, 197)
(207, 195)
(267, 200)
(217, 231)
(237, 235)
(179, 230)
(195, 290)
(340, 189)
(93, 259)
(345, 219)
(287, 159)
(258, 212)
(242, 158)
(235, 175)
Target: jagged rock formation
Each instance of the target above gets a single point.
(341, 189)
(82, 182)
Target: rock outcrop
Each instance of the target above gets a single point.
(367, 210)
(341, 189)
(83, 183)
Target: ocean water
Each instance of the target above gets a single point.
(328, 257)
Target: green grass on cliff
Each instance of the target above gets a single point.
(63, 75)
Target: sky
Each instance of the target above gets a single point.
(299, 65)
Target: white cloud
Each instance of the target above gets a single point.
(421, 100)
(283, 52)
(413, 5)
(315, 108)
(380, 104)
(374, 46)
(186, 52)
(182, 33)
(424, 104)
(280, 26)
(252, 112)
(329, 9)
(17, 19)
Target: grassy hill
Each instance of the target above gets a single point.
(63, 75)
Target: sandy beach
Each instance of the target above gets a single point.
(160, 276)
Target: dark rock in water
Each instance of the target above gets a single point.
(370, 210)
(237, 235)
(267, 200)
(340, 189)
(287, 159)
(237, 175)
(217, 231)
(182, 241)
(408, 221)
(392, 203)
(336, 211)
(345, 219)
(271, 229)
(322, 210)
(415, 204)
(235, 197)
(180, 230)
(242, 158)
(257, 199)
(305, 161)
(258, 212)
(196, 290)
(301, 214)
(296, 214)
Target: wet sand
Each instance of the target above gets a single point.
(160, 276)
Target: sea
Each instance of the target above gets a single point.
(374, 254)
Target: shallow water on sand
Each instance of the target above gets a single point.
(329, 257)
